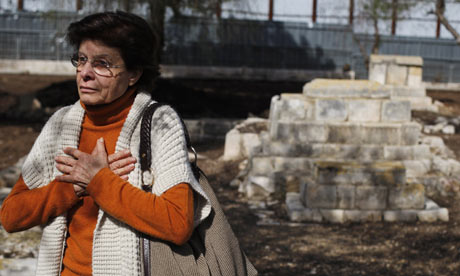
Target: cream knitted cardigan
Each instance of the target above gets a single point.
(115, 244)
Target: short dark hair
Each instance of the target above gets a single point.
(129, 33)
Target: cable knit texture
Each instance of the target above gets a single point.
(115, 244)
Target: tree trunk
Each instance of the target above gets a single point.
(376, 45)
(157, 17)
(440, 7)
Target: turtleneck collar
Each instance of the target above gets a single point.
(105, 114)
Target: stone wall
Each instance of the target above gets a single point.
(343, 150)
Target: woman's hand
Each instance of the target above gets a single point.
(80, 169)
(122, 163)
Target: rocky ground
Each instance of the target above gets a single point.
(279, 247)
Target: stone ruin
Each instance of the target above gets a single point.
(347, 150)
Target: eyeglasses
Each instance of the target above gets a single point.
(100, 66)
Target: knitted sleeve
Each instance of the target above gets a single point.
(38, 167)
(170, 161)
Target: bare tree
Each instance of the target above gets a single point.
(440, 7)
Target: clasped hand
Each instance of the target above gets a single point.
(79, 168)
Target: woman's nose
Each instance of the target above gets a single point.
(86, 71)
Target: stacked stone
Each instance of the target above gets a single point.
(403, 76)
(339, 151)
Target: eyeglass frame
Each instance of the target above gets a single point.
(75, 60)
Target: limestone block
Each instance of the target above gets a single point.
(454, 167)
(441, 165)
(260, 186)
(400, 215)
(417, 168)
(396, 111)
(250, 142)
(306, 214)
(421, 152)
(321, 196)
(407, 91)
(370, 153)
(408, 196)
(419, 103)
(336, 88)
(346, 197)
(410, 133)
(293, 164)
(262, 165)
(398, 152)
(388, 174)
(415, 76)
(232, 149)
(396, 74)
(276, 148)
(309, 132)
(334, 216)
(406, 152)
(345, 133)
(331, 110)
(364, 110)
(275, 108)
(432, 215)
(294, 107)
(362, 216)
(381, 134)
(397, 59)
(371, 198)
(378, 72)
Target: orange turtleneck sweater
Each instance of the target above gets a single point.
(168, 217)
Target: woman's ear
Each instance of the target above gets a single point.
(135, 75)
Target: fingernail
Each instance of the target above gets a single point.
(101, 139)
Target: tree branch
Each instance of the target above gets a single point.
(440, 6)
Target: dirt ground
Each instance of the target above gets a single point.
(284, 248)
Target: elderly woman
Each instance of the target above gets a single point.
(80, 180)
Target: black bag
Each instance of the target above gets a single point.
(213, 248)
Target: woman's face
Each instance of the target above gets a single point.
(95, 89)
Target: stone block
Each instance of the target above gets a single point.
(287, 149)
(362, 216)
(417, 168)
(378, 72)
(344, 133)
(396, 111)
(232, 149)
(380, 134)
(331, 110)
(346, 197)
(265, 182)
(410, 133)
(407, 91)
(388, 174)
(275, 108)
(294, 107)
(321, 196)
(397, 59)
(421, 152)
(414, 77)
(364, 110)
(301, 215)
(371, 198)
(430, 215)
(407, 196)
(419, 103)
(334, 216)
(336, 88)
(400, 215)
(398, 152)
(293, 164)
(310, 133)
(370, 153)
(396, 74)
(250, 143)
(262, 165)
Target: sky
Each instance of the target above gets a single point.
(421, 22)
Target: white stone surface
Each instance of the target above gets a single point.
(364, 110)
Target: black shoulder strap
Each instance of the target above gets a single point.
(145, 148)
